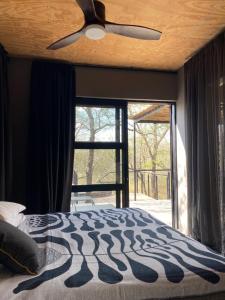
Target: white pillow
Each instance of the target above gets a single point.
(16, 220)
(12, 206)
(10, 212)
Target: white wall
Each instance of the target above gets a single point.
(181, 155)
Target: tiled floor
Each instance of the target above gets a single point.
(161, 209)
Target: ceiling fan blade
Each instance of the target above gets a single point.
(137, 32)
(66, 41)
(88, 9)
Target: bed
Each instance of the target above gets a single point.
(115, 254)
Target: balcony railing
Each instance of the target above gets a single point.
(153, 183)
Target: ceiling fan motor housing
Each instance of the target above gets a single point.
(95, 31)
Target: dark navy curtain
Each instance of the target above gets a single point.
(51, 136)
(5, 132)
(205, 107)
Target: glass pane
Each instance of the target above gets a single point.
(93, 200)
(95, 124)
(150, 159)
(95, 166)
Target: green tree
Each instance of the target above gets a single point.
(93, 124)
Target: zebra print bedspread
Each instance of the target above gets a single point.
(114, 254)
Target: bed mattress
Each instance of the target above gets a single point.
(115, 254)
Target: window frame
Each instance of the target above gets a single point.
(122, 145)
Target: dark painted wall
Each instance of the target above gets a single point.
(90, 82)
(126, 84)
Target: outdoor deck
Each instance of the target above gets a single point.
(160, 209)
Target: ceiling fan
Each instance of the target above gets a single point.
(96, 26)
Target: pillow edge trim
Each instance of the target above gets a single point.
(17, 262)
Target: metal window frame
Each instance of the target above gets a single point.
(118, 146)
(124, 186)
(173, 151)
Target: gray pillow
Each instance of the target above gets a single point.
(18, 251)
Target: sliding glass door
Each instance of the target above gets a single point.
(100, 173)
(152, 159)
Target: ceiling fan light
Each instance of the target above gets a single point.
(95, 32)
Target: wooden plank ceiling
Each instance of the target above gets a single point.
(27, 27)
(153, 113)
